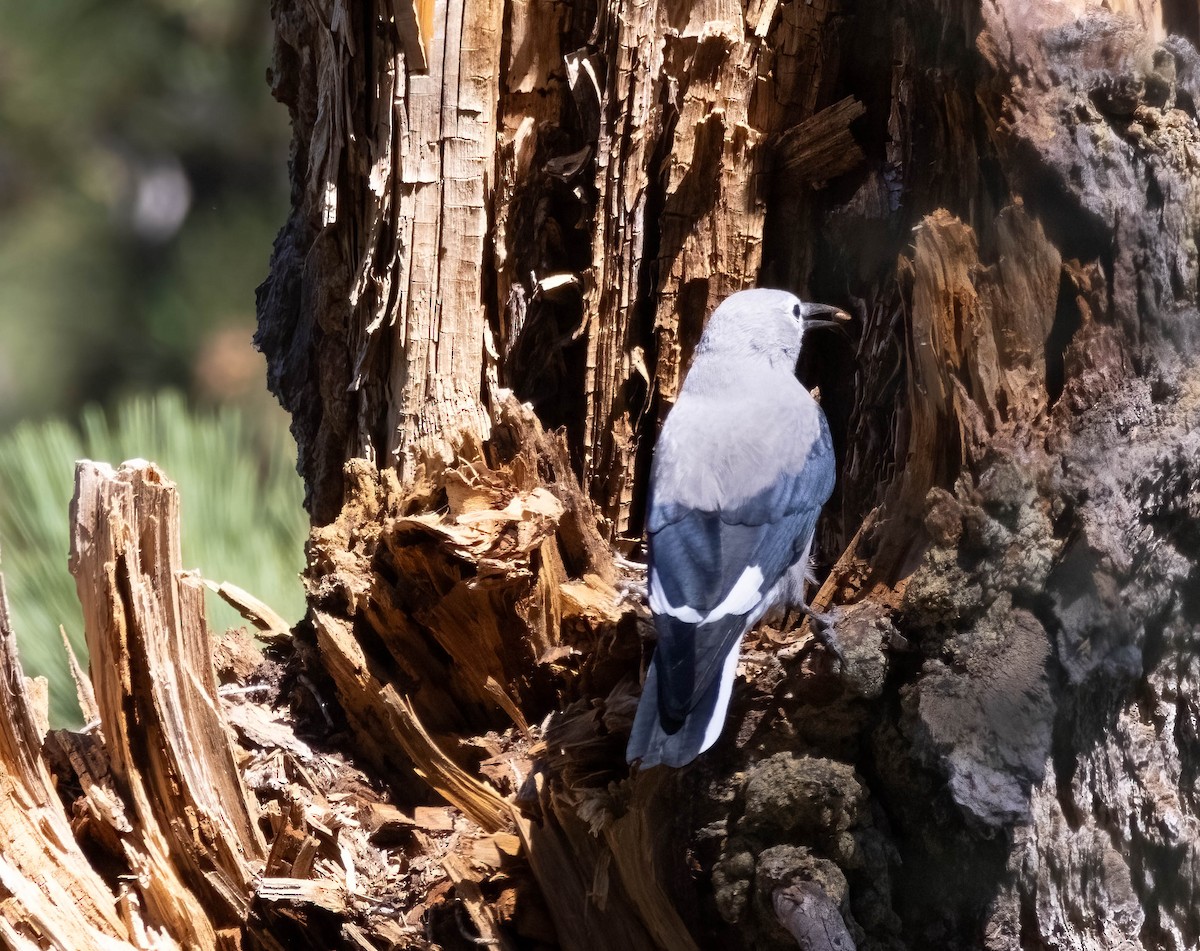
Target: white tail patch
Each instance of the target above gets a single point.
(728, 673)
(743, 598)
(660, 605)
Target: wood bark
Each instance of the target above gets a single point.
(51, 895)
(1003, 192)
(509, 222)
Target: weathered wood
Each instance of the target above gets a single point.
(1024, 505)
(383, 266)
(1003, 756)
(396, 169)
(343, 864)
(190, 826)
(49, 894)
(1004, 193)
(812, 918)
(820, 148)
(495, 557)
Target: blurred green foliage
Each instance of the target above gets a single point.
(240, 501)
(142, 180)
(143, 176)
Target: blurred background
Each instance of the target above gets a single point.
(143, 171)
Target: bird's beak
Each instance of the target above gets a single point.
(823, 315)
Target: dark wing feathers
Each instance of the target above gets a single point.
(690, 655)
(652, 744)
(698, 557)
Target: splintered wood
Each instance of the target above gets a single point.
(708, 95)
(550, 197)
(977, 351)
(219, 827)
(160, 793)
(481, 636)
(49, 894)
(540, 195)
(496, 667)
(193, 828)
(210, 823)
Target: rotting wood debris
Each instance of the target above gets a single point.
(212, 800)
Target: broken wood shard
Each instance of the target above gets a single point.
(194, 838)
(49, 894)
(414, 21)
(821, 147)
(266, 619)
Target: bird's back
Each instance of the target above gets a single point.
(741, 470)
(728, 436)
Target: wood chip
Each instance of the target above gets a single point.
(434, 818)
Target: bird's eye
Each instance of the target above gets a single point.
(796, 311)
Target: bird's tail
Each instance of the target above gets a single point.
(653, 745)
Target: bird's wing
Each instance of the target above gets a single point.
(711, 572)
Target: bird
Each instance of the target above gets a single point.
(742, 467)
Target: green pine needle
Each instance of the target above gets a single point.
(240, 497)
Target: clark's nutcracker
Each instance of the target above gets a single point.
(742, 467)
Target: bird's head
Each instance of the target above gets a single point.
(765, 323)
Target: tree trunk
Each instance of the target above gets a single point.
(509, 223)
(549, 199)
